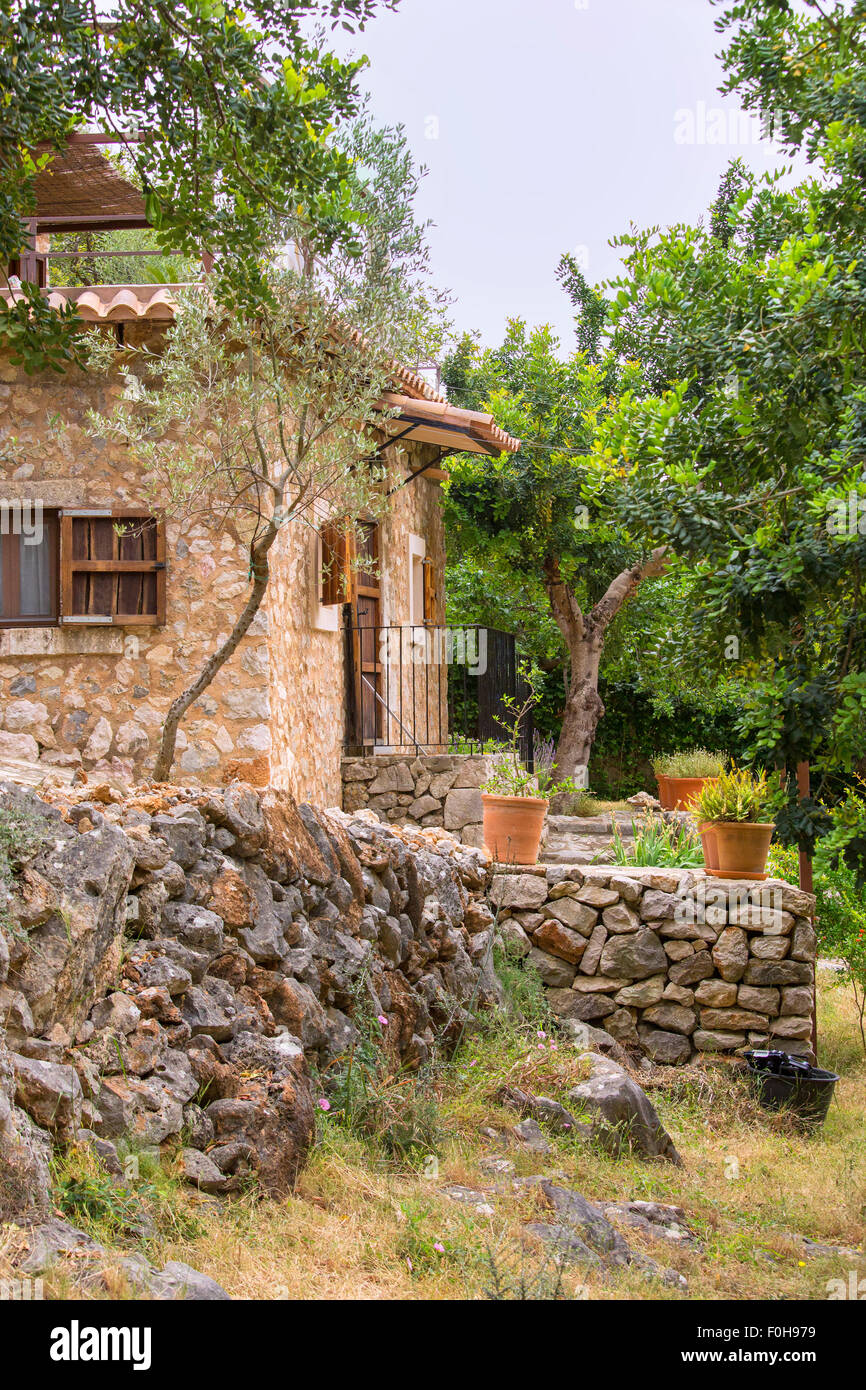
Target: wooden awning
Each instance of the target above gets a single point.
(425, 421)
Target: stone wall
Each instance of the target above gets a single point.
(666, 960)
(181, 962)
(429, 790)
(185, 962)
(95, 698)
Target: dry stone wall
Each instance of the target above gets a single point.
(187, 961)
(666, 960)
(428, 790)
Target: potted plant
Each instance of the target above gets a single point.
(660, 763)
(682, 775)
(515, 801)
(729, 810)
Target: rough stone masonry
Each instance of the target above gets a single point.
(187, 960)
(666, 960)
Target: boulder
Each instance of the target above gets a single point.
(624, 1118)
(573, 914)
(71, 956)
(559, 940)
(50, 1092)
(555, 972)
(674, 1018)
(620, 918)
(25, 1151)
(669, 1049)
(569, 1003)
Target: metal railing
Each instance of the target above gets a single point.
(430, 689)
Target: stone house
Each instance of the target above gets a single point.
(99, 632)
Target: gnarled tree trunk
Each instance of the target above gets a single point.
(260, 570)
(584, 635)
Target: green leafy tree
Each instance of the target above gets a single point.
(748, 457)
(263, 421)
(546, 515)
(237, 109)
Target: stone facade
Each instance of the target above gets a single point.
(95, 697)
(666, 960)
(430, 790)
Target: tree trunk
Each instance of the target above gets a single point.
(261, 574)
(583, 709)
(584, 635)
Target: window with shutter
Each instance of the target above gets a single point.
(337, 563)
(112, 568)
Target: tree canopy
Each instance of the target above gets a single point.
(748, 457)
(237, 108)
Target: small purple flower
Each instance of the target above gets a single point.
(383, 1020)
(324, 1104)
(439, 1248)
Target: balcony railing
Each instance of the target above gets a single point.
(428, 689)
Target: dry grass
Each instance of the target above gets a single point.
(365, 1226)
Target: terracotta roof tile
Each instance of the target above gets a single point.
(436, 419)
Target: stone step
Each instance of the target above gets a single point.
(591, 825)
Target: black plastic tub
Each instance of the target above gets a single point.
(784, 1081)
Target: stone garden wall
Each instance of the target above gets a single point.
(187, 961)
(666, 960)
(429, 790)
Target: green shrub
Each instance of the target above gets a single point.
(840, 915)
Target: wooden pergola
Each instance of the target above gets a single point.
(78, 191)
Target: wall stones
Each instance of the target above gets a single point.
(431, 789)
(675, 964)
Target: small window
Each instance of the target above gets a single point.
(112, 567)
(28, 574)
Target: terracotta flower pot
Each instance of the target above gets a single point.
(683, 790)
(710, 848)
(513, 826)
(742, 848)
(664, 793)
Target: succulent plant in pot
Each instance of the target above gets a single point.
(730, 812)
(681, 775)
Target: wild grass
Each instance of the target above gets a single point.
(370, 1222)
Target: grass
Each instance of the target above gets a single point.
(371, 1222)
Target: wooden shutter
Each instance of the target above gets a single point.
(430, 606)
(338, 553)
(112, 568)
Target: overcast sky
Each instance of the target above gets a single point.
(549, 126)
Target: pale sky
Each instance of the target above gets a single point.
(549, 127)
